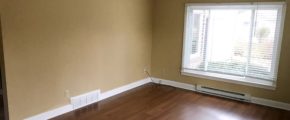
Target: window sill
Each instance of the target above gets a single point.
(231, 79)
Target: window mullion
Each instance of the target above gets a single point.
(205, 57)
(252, 33)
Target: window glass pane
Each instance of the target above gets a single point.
(233, 40)
(196, 31)
(200, 23)
(223, 38)
(228, 39)
(263, 43)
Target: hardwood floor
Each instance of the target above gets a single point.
(158, 102)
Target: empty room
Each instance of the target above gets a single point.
(144, 60)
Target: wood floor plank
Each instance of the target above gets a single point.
(158, 102)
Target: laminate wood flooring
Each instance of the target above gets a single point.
(159, 102)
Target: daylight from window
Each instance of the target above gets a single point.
(241, 42)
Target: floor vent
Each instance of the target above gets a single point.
(85, 99)
(223, 93)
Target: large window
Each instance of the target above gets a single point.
(233, 42)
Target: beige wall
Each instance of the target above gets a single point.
(1, 5)
(77, 45)
(167, 51)
(55, 45)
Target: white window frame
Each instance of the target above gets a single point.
(254, 82)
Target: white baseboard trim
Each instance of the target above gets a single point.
(68, 108)
(254, 100)
(174, 84)
(52, 113)
(124, 88)
(270, 103)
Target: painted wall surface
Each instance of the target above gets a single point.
(82, 45)
(1, 5)
(167, 51)
(78, 45)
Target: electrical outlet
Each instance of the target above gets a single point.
(164, 71)
(67, 93)
(145, 69)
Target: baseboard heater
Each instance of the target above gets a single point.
(223, 93)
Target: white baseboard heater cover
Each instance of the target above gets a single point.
(223, 93)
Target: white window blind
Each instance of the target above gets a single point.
(233, 40)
